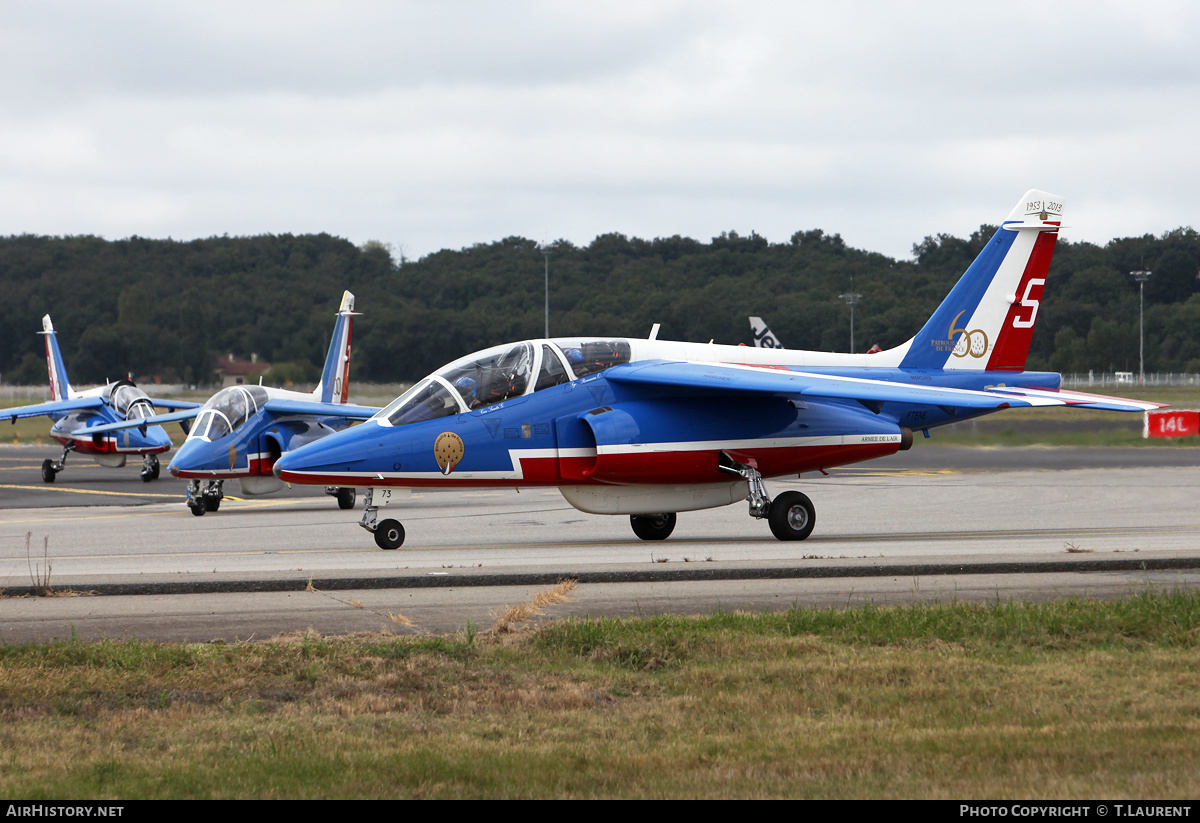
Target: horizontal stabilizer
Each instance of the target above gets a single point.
(1082, 400)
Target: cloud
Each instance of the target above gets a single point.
(434, 125)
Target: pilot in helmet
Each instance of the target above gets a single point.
(575, 358)
(468, 388)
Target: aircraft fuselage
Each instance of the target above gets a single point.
(596, 431)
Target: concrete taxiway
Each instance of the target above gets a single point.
(932, 524)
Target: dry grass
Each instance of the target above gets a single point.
(507, 619)
(41, 570)
(355, 603)
(39, 576)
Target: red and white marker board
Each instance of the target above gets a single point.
(1172, 423)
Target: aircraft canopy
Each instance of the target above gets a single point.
(131, 402)
(500, 373)
(226, 411)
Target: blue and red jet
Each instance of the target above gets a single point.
(73, 412)
(241, 431)
(649, 428)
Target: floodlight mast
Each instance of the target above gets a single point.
(1141, 277)
(851, 299)
(546, 254)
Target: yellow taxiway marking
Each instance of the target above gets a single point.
(70, 514)
(51, 488)
(892, 472)
(38, 466)
(254, 553)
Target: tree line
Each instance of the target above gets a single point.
(169, 308)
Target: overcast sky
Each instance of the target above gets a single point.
(431, 125)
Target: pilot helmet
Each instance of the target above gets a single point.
(467, 387)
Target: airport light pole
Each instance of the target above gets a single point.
(1141, 277)
(851, 299)
(546, 254)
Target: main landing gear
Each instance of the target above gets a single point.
(389, 534)
(791, 515)
(52, 467)
(206, 498)
(344, 495)
(653, 526)
(150, 467)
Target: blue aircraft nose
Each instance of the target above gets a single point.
(193, 455)
(340, 452)
(153, 438)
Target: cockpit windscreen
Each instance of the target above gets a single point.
(226, 411)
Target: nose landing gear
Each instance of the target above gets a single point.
(150, 467)
(389, 534)
(344, 495)
(206, 499)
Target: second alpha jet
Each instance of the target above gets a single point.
(242, 430)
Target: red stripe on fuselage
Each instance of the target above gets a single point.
(648, 468)
(88, 445)
(259, 467)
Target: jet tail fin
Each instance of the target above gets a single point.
(60, 386)
(764, 338)
(335, 379)
(987, 320)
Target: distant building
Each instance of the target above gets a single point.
(234, 371)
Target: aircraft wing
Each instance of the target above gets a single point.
(1083, 400)
(141, 422)
(52, 407)
(728, 379)
(319, 409)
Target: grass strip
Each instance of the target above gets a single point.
(1068, 699)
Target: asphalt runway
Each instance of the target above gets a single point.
(941, 524)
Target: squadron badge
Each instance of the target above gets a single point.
(448, 450)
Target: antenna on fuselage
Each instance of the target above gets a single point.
(654, 331)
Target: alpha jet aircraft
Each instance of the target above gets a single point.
(649, 428)
(74, 411)
(242, 430)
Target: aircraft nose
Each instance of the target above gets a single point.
(158, 438)
(277, 469)
(191, 456)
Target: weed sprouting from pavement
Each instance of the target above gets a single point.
(510, 616)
